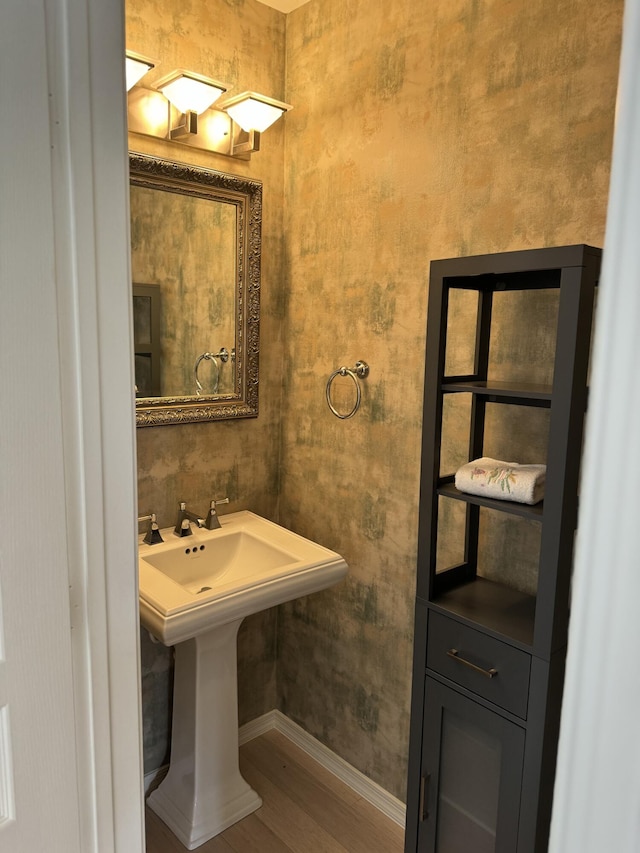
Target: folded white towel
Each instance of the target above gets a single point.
(507, 481)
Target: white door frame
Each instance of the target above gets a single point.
(597, 794)
(92, 201)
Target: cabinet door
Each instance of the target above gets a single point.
(471, 780)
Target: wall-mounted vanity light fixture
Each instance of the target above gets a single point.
(136, 66)
(254, 113)
(185, 107)
(191, 94)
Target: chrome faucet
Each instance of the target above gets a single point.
(183, 522)
(152, 536)
(211, 522)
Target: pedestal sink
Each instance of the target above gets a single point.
(194, 593)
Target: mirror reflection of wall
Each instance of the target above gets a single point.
(186, 246)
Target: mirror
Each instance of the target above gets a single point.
(195, 260)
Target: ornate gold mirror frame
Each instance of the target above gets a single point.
(167, 176)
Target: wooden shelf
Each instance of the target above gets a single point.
(503, 611)
(534, 513)
(518, 393)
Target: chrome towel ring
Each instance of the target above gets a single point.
(223, 355)
(360, 371)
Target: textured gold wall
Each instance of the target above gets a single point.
(420, 131)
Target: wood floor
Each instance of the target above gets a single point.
(305, 809)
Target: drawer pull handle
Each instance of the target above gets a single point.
(488, 673)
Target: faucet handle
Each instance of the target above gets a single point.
(153, 535)
(213, 522)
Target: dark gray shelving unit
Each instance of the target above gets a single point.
(489, 655)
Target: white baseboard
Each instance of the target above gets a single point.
(372, 792)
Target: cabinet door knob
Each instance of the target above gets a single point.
(488, 673)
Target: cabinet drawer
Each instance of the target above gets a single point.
(486, 666)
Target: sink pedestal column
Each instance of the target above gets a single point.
(203, 793)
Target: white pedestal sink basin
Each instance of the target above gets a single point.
(194, 593)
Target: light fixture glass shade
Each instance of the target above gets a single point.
(253, 111)
(136, 66)
(190, 92)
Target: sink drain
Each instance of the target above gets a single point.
(204, 589)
